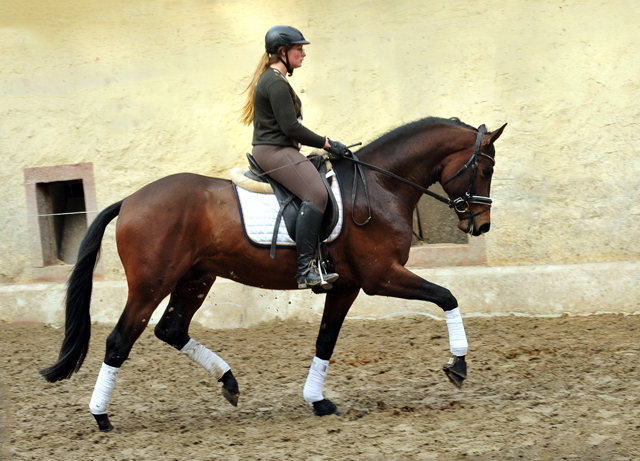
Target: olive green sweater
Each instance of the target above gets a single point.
(278, 112)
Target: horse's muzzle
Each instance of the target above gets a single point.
(475, 226)
(484, 228)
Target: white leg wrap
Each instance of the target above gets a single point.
(457, 336)
(313, 387)
(205, 358)
(103, 390)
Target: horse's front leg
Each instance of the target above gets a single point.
(336, 306)
(399, 282)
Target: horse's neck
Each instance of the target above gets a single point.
(417, 158)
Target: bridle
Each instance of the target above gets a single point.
(469, 196)
(460, 204)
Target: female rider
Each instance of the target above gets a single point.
(276, 113)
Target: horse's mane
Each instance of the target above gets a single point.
(412, 127)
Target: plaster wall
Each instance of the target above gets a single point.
(554, 290)
(144, 89)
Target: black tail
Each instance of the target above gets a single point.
(77, 328)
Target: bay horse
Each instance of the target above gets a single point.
(176, 235)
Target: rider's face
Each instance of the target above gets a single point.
(296, 56)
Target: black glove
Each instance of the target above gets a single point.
(337, 148)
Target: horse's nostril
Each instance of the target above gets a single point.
(485, 228)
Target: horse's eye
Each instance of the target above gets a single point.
(487, 173)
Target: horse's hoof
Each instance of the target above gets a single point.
(230, 390)
(232, 397)
(103, 423)
(324, 407)
(456, 370)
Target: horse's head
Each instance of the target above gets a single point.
(466, 178)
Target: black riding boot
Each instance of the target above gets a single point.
(307, 229)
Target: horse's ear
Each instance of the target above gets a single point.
(490, 138)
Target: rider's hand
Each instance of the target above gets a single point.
(336, 148)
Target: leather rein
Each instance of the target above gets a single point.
(461, 204)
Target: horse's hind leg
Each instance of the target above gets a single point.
(173, 329)
(132, 323)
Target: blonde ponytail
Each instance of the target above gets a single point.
(247, 113)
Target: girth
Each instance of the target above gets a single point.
(290, 204)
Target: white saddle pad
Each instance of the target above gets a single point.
(259, 211)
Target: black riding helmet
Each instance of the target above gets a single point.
(286, 36)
